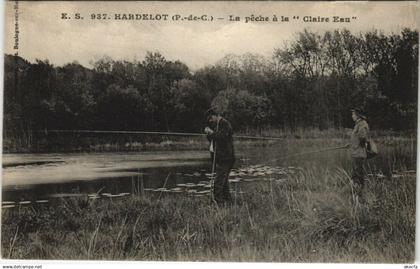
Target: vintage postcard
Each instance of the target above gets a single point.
(233, 131)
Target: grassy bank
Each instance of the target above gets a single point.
(49, 142)
(309, 217)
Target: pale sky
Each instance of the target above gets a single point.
(44, 35)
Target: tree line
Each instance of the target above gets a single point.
(311, 81)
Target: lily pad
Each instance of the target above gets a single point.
(203, 192)
(176, 189)
(117, 195)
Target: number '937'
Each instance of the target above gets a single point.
(99, 16)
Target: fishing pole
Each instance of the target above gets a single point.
(213, 173)
(193, 134)
(309, 152)
(158, 133)
(213, 168)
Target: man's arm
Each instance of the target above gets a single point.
(223, 131)
(363, 134)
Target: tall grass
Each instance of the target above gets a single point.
(310, 217)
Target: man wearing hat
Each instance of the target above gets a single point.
(222, 150)
(359, 139)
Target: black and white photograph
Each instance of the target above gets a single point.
(210, 131)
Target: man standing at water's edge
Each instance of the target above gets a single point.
(223, 152)
(359, 139)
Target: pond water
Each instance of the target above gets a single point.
(38, 178)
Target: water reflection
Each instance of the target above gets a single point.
(188, 180)
(41, 178)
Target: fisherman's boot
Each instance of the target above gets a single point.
(227, 198)
(218, 186)
(217, 194)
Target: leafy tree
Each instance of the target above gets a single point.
(244, 109)
(311, 82)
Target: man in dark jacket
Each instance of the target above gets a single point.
(359, 139)
(221, 147)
